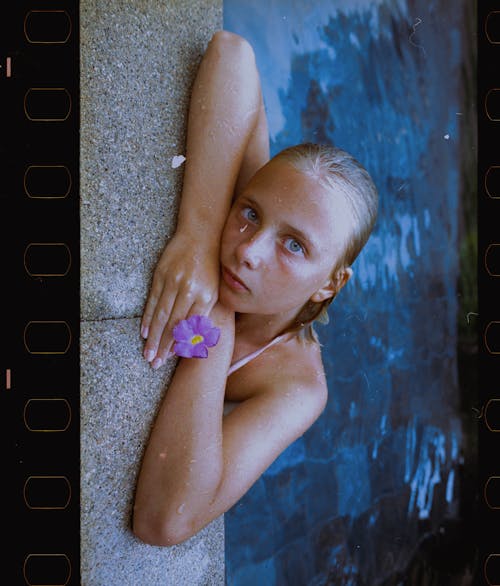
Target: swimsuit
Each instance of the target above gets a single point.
(242, 361)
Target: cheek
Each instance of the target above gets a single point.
(236, 231)
(305, 278)
(293, 279)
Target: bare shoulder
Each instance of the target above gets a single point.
(287, 370)
(283, 392)
(301, 376)
(292, 377)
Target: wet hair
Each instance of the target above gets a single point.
(336, 170)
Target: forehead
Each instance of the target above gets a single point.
(303, 199)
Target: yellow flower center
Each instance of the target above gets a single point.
(196, 339)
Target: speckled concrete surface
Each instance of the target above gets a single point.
(138, 61)
(120, 394)
(137, 64)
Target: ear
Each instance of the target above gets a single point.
(333, 285)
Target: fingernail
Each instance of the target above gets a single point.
(157, 362)
(149, 355)
(144, 332)
(169, 355)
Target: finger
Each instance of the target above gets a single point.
(179, 311)
(147, 316)
(160, 319)
(151, 303)
(203, 306)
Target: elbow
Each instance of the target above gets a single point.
(161, 532)
(234, 46)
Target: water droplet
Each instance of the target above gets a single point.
(181, 508)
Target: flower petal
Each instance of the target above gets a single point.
(183, 331)
(194, 321)
(212, 337)
(177, 161)
(204, 325)
(192, 327)
(184, 349)
(199, 351)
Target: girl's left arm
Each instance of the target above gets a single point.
(198, 463)
(182, 465)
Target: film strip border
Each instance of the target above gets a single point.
(39, 366)
(488, 113)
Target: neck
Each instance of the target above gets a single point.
(258, 330)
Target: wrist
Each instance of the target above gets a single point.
(216, 364)
(201, 241)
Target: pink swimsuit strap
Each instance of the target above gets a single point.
(242, 361)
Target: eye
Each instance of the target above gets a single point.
(249, 214)
(294, 246)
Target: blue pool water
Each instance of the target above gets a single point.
(348, 502)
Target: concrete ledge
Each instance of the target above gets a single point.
(120, 394)
(138, 62)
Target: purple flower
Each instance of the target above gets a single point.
(194, 335)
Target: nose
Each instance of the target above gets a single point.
(251, 251)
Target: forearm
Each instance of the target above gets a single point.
(183, 463)
(223, 113)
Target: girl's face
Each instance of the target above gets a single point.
(283, 235)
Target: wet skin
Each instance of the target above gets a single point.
(283, 235)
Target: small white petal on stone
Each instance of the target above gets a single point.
(177, 161)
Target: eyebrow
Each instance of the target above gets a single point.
(293, 229)
(302, 236)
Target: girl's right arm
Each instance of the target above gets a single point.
(226, 142)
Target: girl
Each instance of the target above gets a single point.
(261, 247)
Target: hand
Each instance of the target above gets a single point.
(185, 282)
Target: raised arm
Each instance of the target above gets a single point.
(227, 141)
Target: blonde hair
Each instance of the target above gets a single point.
(336, 170)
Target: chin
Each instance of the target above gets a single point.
(232, 301)
(229, 301)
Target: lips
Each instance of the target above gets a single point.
(233, 281)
